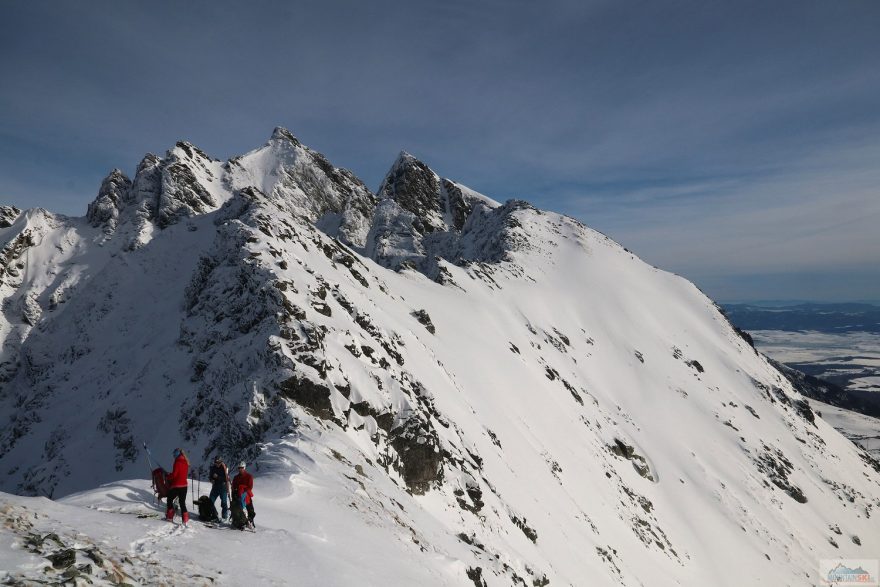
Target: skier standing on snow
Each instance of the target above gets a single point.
(177, 482)
(243, 492)
(219, 476)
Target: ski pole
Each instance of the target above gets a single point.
(149, 462)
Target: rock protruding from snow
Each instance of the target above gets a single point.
(416, 189)
(183, 191)
(423, 218)
(104, 210)
(8, 214)
(183, 184)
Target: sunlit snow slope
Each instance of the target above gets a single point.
(485, 393)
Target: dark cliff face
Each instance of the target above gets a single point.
(416, 189)
(459, 205)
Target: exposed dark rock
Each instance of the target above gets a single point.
(639, 463)
(384, 420)
(104, 210)
(745, 336)
(804, 411)
(696, 365)
(522, 524)
(322, 308)
(459, 206)
(475, 496)
(777, 468)
(494, 438)
(310, 395)
(63, 558)
(475, 574)
(421, 461)
(8, 215)
(95, 556)
(182, 195)
(13, 251)
(425, 320)
(416, 189)
(870, 461)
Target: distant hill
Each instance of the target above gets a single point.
(836, 318)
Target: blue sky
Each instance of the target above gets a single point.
(735, 143)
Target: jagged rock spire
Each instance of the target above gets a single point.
(104, 210)
(417, 189)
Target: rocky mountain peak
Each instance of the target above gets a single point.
(282, 134)
(186, 150)
(417, 189)
(104, 210)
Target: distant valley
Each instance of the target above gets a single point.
(837, 343)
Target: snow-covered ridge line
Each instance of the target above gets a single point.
(497, 392)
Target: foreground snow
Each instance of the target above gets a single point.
(300, 540)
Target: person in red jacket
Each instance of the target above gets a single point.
(177, 482)
(243, 491)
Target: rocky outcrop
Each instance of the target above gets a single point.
(8, 214)
(104, 210)
(416, 189)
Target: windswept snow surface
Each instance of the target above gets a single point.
(432, 388)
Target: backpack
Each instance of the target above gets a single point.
(160, 485)
(239, 517)
(207, 511)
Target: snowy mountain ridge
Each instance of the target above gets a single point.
(497, 394)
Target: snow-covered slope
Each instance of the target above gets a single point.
(493, 391)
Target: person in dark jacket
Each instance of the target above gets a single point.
(243, 491)
(177, 482)
(219, 476)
